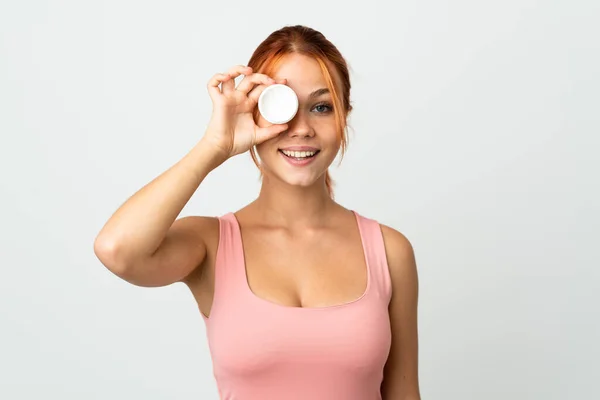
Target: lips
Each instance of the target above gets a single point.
(302, 161)
(299, 148)
(315, 152)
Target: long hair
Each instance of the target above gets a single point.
(303, 40)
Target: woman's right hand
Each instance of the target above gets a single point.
(232, 129)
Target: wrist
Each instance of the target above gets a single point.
(205, 157)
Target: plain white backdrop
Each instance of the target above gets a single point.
(475, 133)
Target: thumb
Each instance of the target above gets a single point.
(269, 132)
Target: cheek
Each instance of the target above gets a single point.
(265, 149)
(330, 134)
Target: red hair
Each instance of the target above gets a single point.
(303, 40)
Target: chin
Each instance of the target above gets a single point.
(304, 179)
(299, 182)
(301, 179)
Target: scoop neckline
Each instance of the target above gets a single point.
(270, 303)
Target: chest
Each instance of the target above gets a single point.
(319, 269)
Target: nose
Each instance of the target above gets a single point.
(299, 126)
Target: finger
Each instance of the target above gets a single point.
(228, 86)
(269, 132)
(250, 81)
(238, 70)
(256, 92)
(234, 72)
(214, 82)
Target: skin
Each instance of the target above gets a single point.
(302, 249)
(289, 232)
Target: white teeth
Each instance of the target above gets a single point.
(298, 154)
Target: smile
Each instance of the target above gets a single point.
(299, 157)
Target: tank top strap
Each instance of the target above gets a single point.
(229, 261)
(374, 247)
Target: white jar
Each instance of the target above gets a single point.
(278, 103)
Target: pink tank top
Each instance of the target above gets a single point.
(265, 351)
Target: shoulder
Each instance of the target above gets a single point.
(402, 267)
(399, 250)
(400, 256)
(204, 229)
(198, 223)
(397, 246)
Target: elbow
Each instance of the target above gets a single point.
(107, 251)
(112, 255)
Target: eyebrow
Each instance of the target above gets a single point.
(318, 92)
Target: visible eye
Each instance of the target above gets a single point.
(323, 108)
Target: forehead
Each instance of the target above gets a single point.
(303, 73)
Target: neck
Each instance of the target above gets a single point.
(293, 206)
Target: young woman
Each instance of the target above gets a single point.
(302, 298)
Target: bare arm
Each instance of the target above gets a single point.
(142, 242)
(401, 375)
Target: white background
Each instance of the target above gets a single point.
(475, 133)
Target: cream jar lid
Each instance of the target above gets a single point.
(278, 103)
